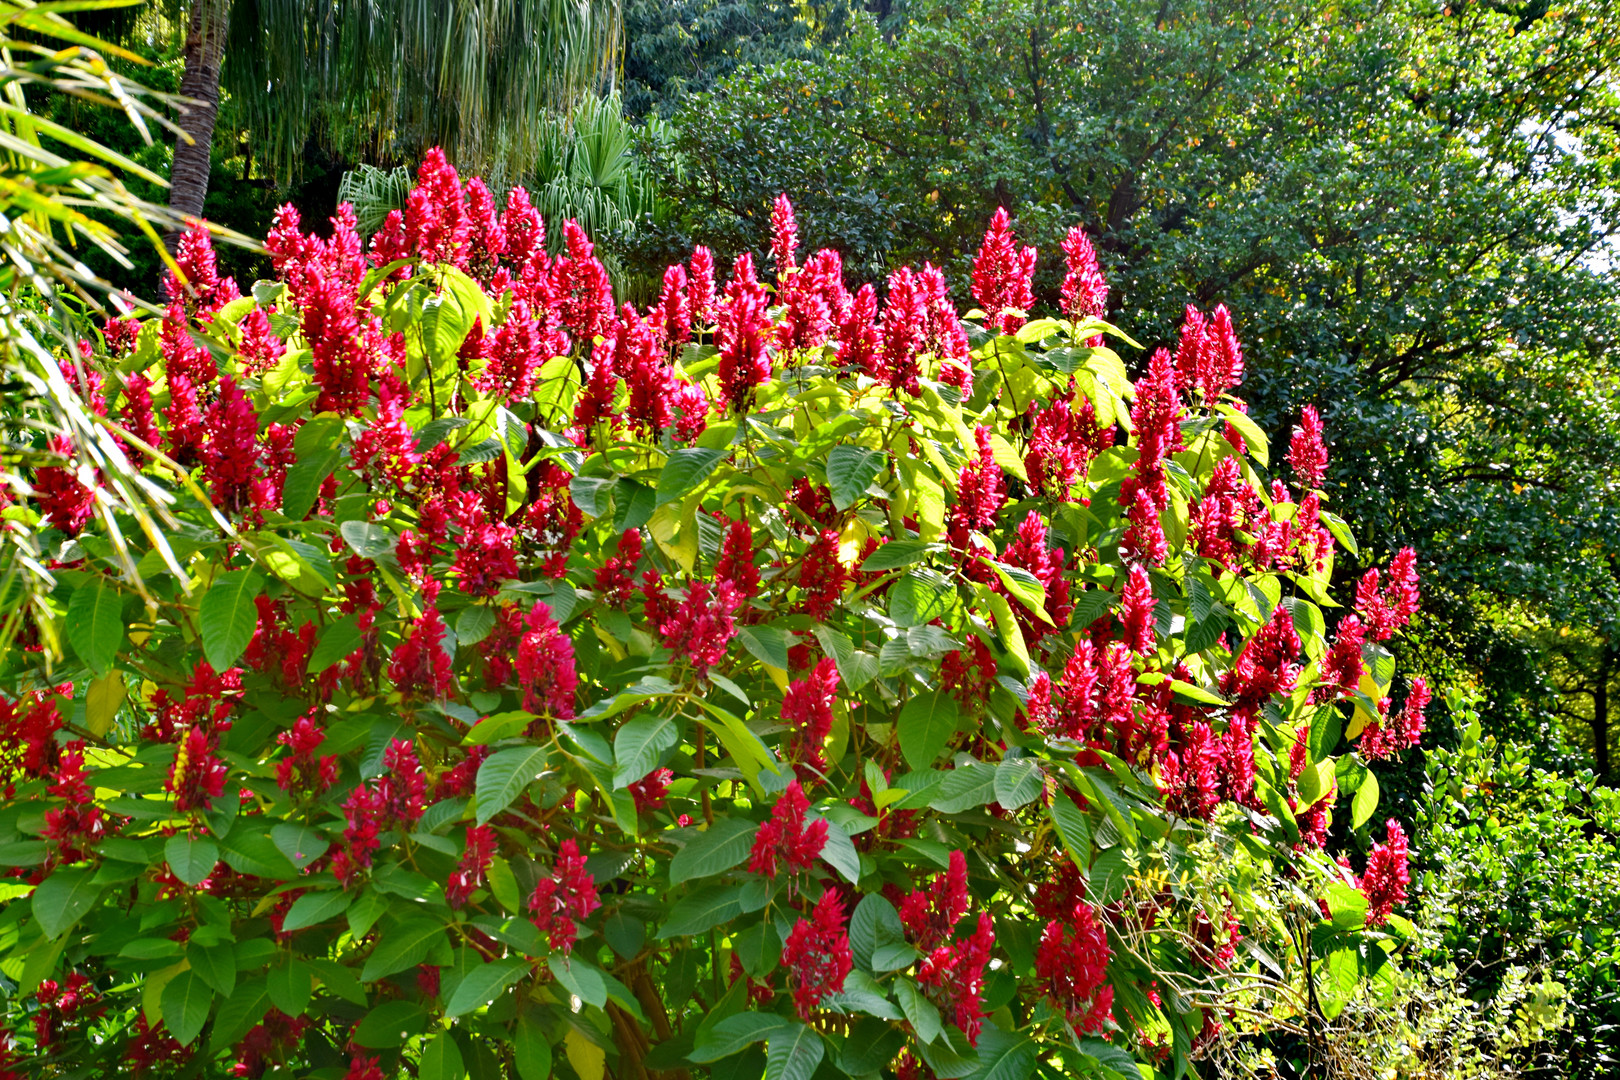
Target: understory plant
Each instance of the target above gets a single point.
(771, 681)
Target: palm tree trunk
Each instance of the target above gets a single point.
(205, 46)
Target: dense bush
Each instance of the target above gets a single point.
(762, 682)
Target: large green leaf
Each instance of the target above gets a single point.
(926, 725)
(61, 899)
(919, 597)
(401, 947)
(502, 778)
(1018, 782)
(441, 1059)
(483, 984)
(192, 858)
(793, 1053)
(95, 623)
(315, 907)
(702, 910)
(736, 1033)
(685, 470)
(186, 1003)
(850, 470)
(638, 745)
(227, 616)
(714, 851)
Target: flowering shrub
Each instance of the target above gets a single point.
(771, 681)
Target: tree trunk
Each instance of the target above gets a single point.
(205, 47)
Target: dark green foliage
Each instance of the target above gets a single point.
(1521, 867)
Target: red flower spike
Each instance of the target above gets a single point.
(420, 668)
(699, 630)
(1390, 606)
(1387, 876)
(807, 709)
(1136, 612)
(1156, 416)
(569, 894)
(1002, 276)
(475, 859)
(817, 955)
(545, 666)
(736, 562)
(1306, 454)
(1085, 290)
(700, 289)
(786, 837)
(784, 238)
(1072, 962)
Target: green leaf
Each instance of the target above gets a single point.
(722, 846)
(250, 852)
(767, 644)
(62, 898)
(1258, 445)
(304, 479)
(1073, 828)
(702, 910)
(685, 470)
(898, 553)
(301, 844)
(441, 1060)
(926, 726)
(850, 471)
(874, 922)
(1348, 907)
(403, 946)
(530, 1050)
(186, 1002)
(238, 1014)
(1004, 1056)
(1007, 628)
(638, 745)
(338, 641)
(390, 1024)
(1365, 801)
(840, 854)
(191, 858)
(367, 539)
(315, 907)
(922, 1013)
(793, 1053)
(579, 979)
(919, 597)
(965, 788)
(227, 616)
(855, 668)
(95, 623)
(504, 775)
(1024, 587)
(1111, 1057)
(736, 1033)
(216, 964)
(484, 983)
(1315, 781)
(290, 984)
(1018, 781)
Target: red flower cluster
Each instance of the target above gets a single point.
(807, 711)
(1306, 454)
(567, 895)
(1388, 736)
(1156, 416)
(1209, 359)
(817, 955)
(469, 873)
(545, 666)
(1085, 290)
(301, 772)
(786, 838)
(1072, 962)
(1029, 551)
(1389, 606)
(1063, 441)
(1387, 876)
(1003, 275)
(699, 630)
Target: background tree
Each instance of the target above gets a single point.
(1413, 208)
